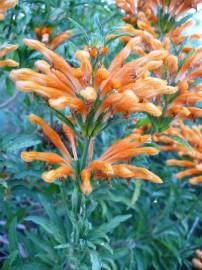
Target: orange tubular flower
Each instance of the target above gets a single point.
(7, 62)
(45, 34)
(179, 70)
(65, 168)
(122, 150)
(78, 88)
(160, 16)
(5, 5)
(193, 156)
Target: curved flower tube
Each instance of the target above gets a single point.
(192, 156)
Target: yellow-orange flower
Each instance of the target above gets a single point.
(159, 17)
(179, 70)
(192, 156)
(45, 35)
(123, 87)
(108, 166)
(3, 52)
(5, 5)
(64, 161)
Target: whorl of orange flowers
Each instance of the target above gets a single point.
(5, 5)
(123, 87)
(107, 167)
(191, 156)
(180, 69)
(45, 35)
(159, 16)
(7, 62)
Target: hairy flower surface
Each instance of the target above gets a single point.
(46, 35)
(5, 5)
(3, 52)
(191, 156)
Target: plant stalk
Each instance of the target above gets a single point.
(137, 191)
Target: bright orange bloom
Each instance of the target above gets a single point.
(159, 16)
(192, 157)
(108, 167)
(3, 52)
(129, 87)
(45, 35)
(179, 70)
(5, 5)
(64, 161)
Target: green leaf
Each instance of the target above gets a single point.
(12, 236)
(48, 227)
(14, 144)
(30, 266)
(79, 26)
(109, 226)
(63, 118)
(10, 260)
(181, 141)
(95, 260)
(9, 86)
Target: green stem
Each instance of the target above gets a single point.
(137, 191)
(85, 153)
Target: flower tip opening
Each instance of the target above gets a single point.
(26, 157)
(48, 177)
(34, 119)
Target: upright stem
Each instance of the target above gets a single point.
(136, 193)
(85, 153)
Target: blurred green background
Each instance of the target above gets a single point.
(143, 227)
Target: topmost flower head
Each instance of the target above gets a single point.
(6, 5)
(159, 17)
(122, 88)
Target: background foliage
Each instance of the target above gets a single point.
(142, 226)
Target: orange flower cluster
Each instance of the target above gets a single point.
(78, 88)
(64, 161)
(182, 66)
(108, 166)
(3, 52)
(191, 154)
(45, 34)
(104, 168)
(159, 17)
(145, 76)
(5, 5)
(95, 94)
